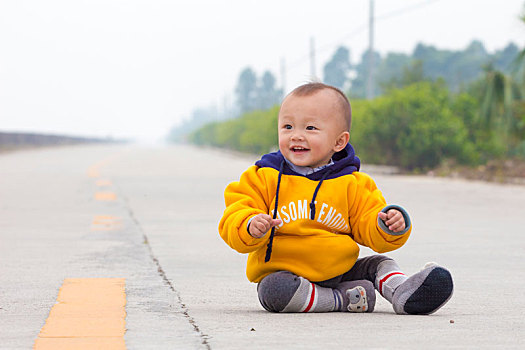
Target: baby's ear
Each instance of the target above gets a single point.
(341, 141)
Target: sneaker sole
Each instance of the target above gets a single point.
(433, 293)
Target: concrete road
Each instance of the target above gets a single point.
(150, 215)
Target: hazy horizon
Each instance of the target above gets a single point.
(135, 69)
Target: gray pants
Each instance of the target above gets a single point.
(279, 291)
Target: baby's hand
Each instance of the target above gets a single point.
(393, 219)
(261, 224)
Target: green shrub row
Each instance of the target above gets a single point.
(254, 132)
(417, 127)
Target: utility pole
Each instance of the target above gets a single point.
(313, 74)
(370, 78)
(283, 75)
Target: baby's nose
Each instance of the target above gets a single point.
(297, 136)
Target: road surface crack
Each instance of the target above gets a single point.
(185, 311)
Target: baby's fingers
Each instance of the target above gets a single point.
(397, 226)
(382, 216)
(262, 226)
(393, 217)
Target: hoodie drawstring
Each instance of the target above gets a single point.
(312, 207)
(312, 203)
(270, 241)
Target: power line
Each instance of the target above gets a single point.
(359, 29)
(406, 9)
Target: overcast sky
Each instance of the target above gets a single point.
(136, 68)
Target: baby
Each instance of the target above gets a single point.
(301, 212)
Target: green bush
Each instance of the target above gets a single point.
(415, 127)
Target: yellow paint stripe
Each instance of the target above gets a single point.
(104, 183)
(100, 219)
(89, 314)
(105, 196)
(106, 223)
(80, 343)
(94, 170)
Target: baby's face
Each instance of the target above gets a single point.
(310, 128)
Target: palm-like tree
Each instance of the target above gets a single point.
(503, 102)
(503, 98)
(498, 95)
(519, 106)
(520, 64)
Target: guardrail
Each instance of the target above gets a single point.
(14, 140)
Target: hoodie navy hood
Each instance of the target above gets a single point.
(345, 163)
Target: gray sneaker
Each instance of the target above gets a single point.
(425, 292)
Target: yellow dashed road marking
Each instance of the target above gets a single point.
(89, 314)
(106, 223)
(79, 344)
(105, 196)
(103, 183)
(94, 170)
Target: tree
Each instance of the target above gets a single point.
(411, 73)
(337, 69)
(358, 84)
(500, 118)
(435, 61)
(456, 67)
(391, 69)
(519, 64)
(496, 98)
(503, 59)
(253, 94)
(246, 90)
(267, 94)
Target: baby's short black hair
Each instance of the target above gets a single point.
(313, 87)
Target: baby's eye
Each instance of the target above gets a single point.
(311, 127)
(287, 126)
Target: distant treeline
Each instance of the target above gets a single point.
(432, 108)
(458, 68)
(417, 124)
(13, 140)
(251, 93)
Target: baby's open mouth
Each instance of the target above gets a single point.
(299, 149)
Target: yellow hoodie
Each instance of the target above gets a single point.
(345, 211)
